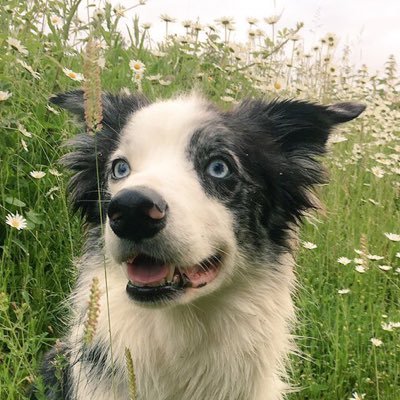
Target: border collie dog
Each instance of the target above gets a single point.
(191, 216)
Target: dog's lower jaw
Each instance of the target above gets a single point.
(230, 346)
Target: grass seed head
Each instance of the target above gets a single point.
(92, 88)
(93, 311)
(131, 374)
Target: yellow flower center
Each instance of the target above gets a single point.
(277, 86)
(14, 223)
(136, 66)
(72, 75)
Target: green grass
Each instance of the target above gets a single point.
(36, 271)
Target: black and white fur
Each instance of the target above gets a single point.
(228, 340)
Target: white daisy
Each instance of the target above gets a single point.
(394, 237)
(35, 74)
(225, 21)
(309, 245)
(343, 260)
(376, 342)
(54, 172)
(337, 138)
(56, 20)
(167, 18)
(119, 10)
(374, 257)
(356, 396)
(16, 221)
(378, 172)
(252, 21)
(387, 326)
(228, 99)
(37, 174)
(385, 267)
(98, 13)
(344, 291)
(17, 45)
(4, 95)
(23, 130)
(158, 53)
(361, 269)
(137, 66)
(273, 19)
(75, 76)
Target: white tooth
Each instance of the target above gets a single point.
(170, 275)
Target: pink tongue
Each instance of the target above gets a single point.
(145, 272)
(198, 276)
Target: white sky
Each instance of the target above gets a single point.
(370, 27)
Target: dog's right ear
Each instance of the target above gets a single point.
(88, 160)
(115, 108)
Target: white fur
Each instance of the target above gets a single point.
(226, 341)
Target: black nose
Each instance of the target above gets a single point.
(137, 214)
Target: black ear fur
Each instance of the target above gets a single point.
(343, 112)
(88, 160)
(299, 125)
(282, 139)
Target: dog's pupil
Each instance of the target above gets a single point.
(122, 168)
(219, 168)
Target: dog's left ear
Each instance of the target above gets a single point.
(344, 112)
(299, 125)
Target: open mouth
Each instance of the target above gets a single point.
(152, 280)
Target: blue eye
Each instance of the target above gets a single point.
(120, 169)
(218, 169)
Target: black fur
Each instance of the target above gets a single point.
(89, 160)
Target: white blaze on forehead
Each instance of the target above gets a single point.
(162, 127)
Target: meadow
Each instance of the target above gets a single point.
(348, 268)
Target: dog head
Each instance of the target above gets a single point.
(192, 198)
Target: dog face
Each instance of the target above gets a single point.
(193, 198)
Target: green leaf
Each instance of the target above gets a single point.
(20, 245)
(34, 217)
(14, 201)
